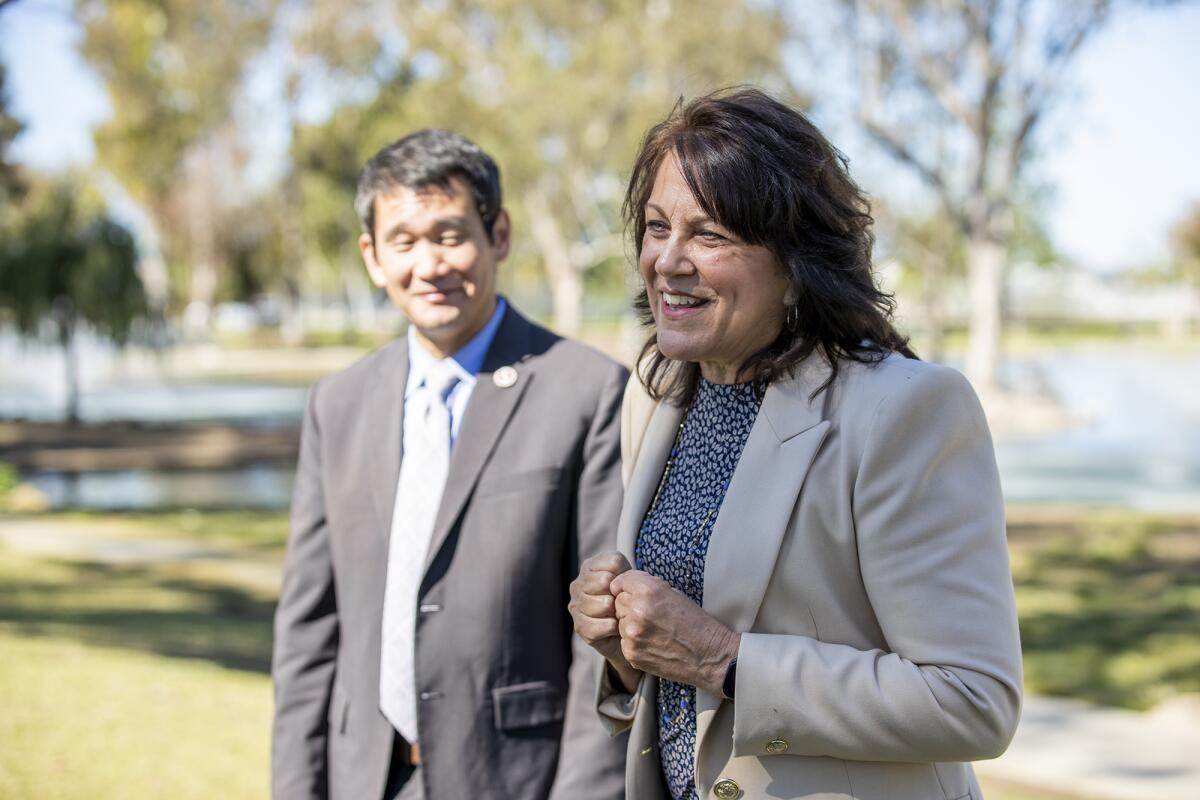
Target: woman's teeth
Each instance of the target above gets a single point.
(681, 300)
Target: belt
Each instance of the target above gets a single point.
(405, 753)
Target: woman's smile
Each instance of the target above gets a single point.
(716, 300)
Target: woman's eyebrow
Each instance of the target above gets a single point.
(699, 219)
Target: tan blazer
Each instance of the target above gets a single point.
(861, 552)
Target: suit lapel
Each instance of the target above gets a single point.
(758, 505)
(384, 406)
(486, 417)
(652, 458)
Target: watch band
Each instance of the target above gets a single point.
(730, 682)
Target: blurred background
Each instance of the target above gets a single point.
(178, 264)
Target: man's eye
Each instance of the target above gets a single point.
(452, 239)
(402, 244)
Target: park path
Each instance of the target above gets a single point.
(1086, 751)
(1062, 746)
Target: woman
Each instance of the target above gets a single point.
(819, 602)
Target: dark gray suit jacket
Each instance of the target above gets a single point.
(534, 487)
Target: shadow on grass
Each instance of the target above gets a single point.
(1108, 608)
(151, 608)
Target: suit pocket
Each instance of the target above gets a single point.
(527, 705)
(494, 484)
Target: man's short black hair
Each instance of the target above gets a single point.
(430, 158)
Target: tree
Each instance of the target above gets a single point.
(63, 260)
(1185, 241)
(929, 250)
(987, 73)
(10, 129)
(173, 69)
(560, 93)
(1185, 267)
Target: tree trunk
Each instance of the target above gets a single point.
(933, 307)
(360, 307)
(986, 261)
(201, 241)
(66, 338)
(291, 313)
(294, 248)
(566, 283)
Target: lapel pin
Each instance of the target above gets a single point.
(504, 377)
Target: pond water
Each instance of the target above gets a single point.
(1137, 446)
(265, 486)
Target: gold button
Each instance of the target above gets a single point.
(777, 746)
(726, 790)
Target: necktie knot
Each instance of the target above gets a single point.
(440, 380)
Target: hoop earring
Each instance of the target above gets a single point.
(792, 319)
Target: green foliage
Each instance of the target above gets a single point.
(10, 128)
(174, 70)
(560, 93)
(9, 478)
(63, 258)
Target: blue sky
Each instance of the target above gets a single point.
(1121, 152)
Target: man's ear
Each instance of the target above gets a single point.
(366, 246)
(501, 234)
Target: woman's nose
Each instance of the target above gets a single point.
(673, 260)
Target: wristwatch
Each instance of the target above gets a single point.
(730, 682)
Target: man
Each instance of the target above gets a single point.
(449, 484)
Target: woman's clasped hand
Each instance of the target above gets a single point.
(642, 624)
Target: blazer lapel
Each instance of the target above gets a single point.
(384, 405)
(754, 515)
(652, 458)
(488, 412)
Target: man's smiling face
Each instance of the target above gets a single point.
(436, 262)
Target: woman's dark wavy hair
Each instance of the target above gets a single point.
(766, 173)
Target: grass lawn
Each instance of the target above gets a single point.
(151, 680)
(1108, 604)
(122, 681)
(84, 721)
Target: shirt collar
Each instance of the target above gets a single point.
(467, 361)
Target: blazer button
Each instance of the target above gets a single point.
(777, 746)
(727, 790)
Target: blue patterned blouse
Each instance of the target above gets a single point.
(673, 542)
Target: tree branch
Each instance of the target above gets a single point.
(899, 150)
(929, 71)
(1036, 96)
